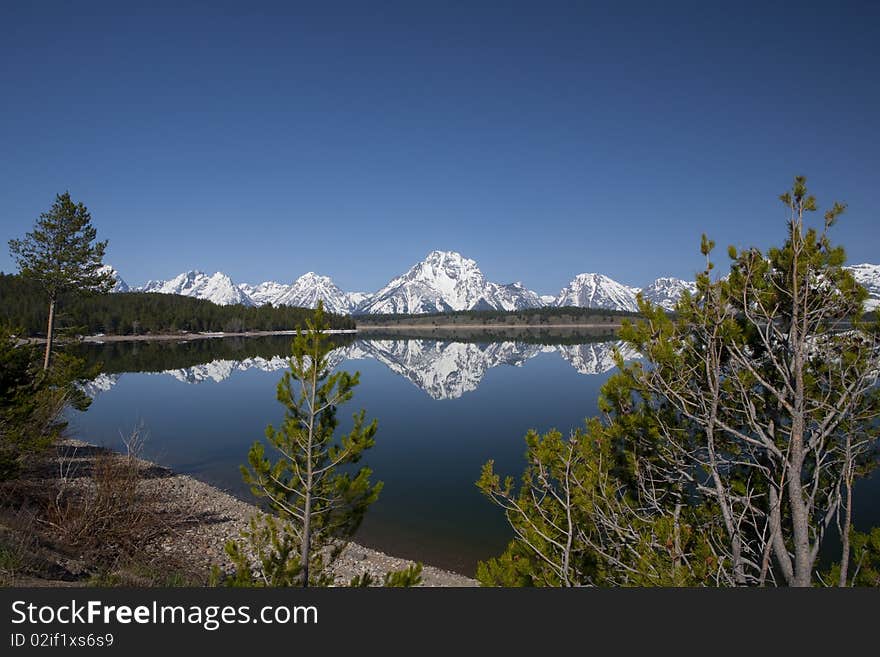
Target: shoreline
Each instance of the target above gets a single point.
(480, 327)
(184, 337)
(212, 516)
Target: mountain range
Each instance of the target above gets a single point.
(444, 281)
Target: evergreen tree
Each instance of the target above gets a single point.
(32, 400)
(61, 254)
(729, 455)
(581, 518)
(319, 498)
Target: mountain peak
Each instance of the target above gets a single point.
(592, 276)
(447, 281)
(449, 259)
(667, 290)
(437, 254)
(306, 290)
(119, 285)
(217, 288)
(592, 290)
(312, 276)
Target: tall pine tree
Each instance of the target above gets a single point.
(62, 255)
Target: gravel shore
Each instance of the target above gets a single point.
(208, 517)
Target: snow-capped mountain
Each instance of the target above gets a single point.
(308, 288)
(305, 292)
(513, 296)
(446, 281)
(119, 285)
(263, 293)
(666, 291)
(358, 298)
(217, 288)
(443, 281)
(868, 276)
(597, 291)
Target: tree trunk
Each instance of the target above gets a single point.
(306, 537)
(800, 523)
(779, 547)
(307, 502)
(797, 340)
(847, 520)
(49, 331)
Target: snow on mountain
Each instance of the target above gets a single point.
(868, 276)
(597, 291)
(119, 285)
(265, 292)
(217, 288)
(447, 281)
(666, 291)
(308, 288)
(444, 281)
(356, 299)
(513, 296)
(304, 292)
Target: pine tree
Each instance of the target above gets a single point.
(61, 254)
(320, 500)
(728, 455)
(32, 400)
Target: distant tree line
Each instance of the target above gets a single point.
(564, 315)
(22, 305)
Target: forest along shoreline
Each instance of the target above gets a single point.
(100, 338)
(463, 329)
(189, 521)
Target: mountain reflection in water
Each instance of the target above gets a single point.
(445, 406)
(442, 369)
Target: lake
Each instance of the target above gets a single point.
(445, 406)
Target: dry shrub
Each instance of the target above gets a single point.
(107, 514)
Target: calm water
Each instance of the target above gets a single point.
(444, 408)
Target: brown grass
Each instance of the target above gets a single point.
(87, 515)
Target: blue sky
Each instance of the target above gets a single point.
(540, 139)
